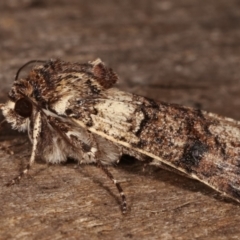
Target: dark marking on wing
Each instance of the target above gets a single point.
(192, 155)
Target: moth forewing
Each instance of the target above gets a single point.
(202, 145)
(73, 110)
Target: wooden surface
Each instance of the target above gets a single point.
(184, 51)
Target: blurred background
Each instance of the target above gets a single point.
(180, 51)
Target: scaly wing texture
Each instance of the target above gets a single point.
(200, 144)
(203, 145)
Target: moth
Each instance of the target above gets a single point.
(73, 110)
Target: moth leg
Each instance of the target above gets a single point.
(36, 132)
(117, 184)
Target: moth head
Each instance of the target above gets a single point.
(18, 113)
(18, 110)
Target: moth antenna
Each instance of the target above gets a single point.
(36, 133)
(117, 184)
(26, 64)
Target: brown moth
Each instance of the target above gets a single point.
(73, 110)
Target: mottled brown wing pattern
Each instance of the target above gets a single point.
(73, 110)
(202, 145)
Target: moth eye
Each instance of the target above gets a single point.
(23, 107)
